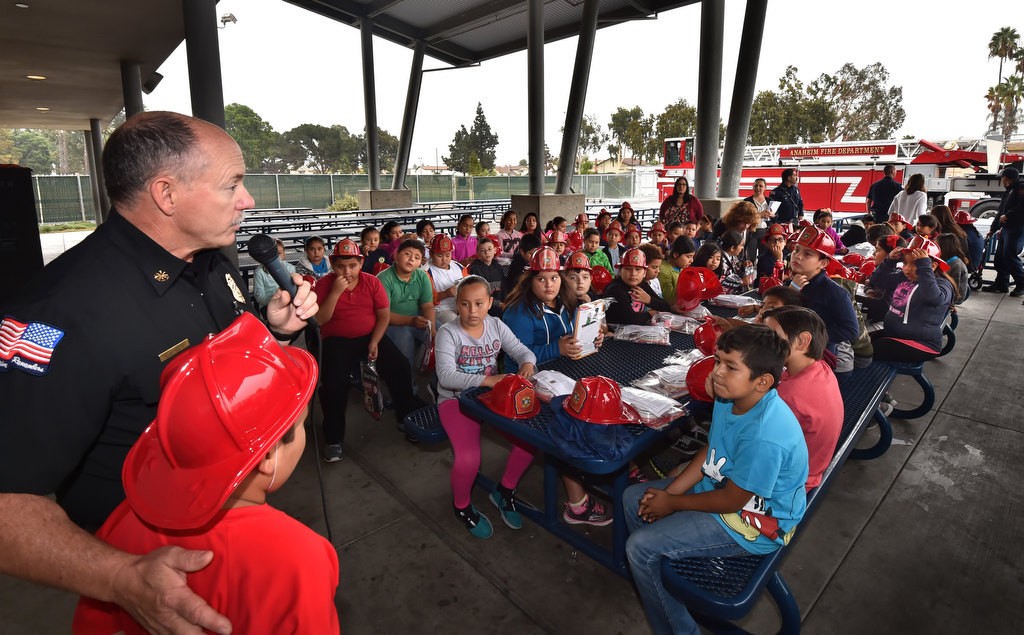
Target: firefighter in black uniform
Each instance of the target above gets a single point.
(82, 351)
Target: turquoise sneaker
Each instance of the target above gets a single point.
(476, 523)
(507, 508)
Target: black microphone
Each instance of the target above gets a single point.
(263, 249)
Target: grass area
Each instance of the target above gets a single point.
(77, 226)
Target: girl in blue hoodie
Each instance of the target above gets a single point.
(921, 296)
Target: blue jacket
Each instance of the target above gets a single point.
(833, 305)
(917, 311)
(792, 207)
(539, 333)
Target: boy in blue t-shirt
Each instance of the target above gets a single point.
(743, 493)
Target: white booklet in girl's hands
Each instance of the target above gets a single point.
(589, 317)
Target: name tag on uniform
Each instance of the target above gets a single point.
(174, 350)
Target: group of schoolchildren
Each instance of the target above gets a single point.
(391, 293)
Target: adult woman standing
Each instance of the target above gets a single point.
(742, 218)
(913, 201)
(760, 203)
(682, 205)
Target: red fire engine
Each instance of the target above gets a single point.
(839, 175)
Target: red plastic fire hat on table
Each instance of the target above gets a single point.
(578, 261)
(694, 285)
(853, 259)
(768, 282)
(346, 249)
(513, 397)
(633, 257)
(545, 259)
(600, 278)
(706, 335)
(867, 269)
(441, 244)
(597, 400)
(697, 377)
(929, 246)
(224, 404)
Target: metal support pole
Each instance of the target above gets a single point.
(709, 96)
(96, 140)
(131, 88)
(535, 93)
(370, 103)
(81, 199)
(577, 97)
(412, 103)
(277, 186)
(742, 98)
(204, 78)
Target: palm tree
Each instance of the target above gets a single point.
(1004, 44)
(995, 106)
(1011, 92)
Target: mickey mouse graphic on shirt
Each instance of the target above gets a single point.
(755, 518)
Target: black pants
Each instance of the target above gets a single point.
(889, 350)
(341, 358)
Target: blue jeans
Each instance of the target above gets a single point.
(679, 535)
(406, 338)
(1011, 243)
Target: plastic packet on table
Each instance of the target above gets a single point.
(677, 323)
(684, 358)
(643, 334)
(656, 410)
(698, 313)
(733, 301)
(549, 384)
(662, 383)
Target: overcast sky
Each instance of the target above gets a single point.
(293, 66)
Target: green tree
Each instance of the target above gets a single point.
(387, 150)
(862, 104)
(253, 135)
(459, 151)
(33, 150)
(479, 139)
(627, 128)
(592, 137)
(475, 167)
(586, 165)
(320, 145)
(677, 120)
(7, 146)
(1005, 97)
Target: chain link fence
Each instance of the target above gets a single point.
(63, 199)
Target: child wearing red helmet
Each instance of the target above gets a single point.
(635, 300)
(199, 476)
(922, 295)
(466, 354)
(445, 272)
(613, 250)
(657, 236)
(578, 277)
(354, 316)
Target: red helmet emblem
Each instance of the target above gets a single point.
(578, 260)
(346, 248)
(512, 397)
(633, 258)
(545, 259)
(441, 244)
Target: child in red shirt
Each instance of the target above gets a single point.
(808, 385)
(198, 478)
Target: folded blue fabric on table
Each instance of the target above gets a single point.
(578, 439)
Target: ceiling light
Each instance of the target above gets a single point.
(42, 108)
(38, 78)
(21, 5)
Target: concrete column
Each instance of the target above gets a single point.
(535, 93)
(131, 87)
(95, 140)
(412, 102)
(577, 97)
(93, 163)
(204, 77)
(709, 96)
(370, 103)
(742, 98)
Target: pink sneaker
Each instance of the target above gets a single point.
(592, 514)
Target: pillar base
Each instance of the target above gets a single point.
(384, 199)
(547, 206)
(716, 207)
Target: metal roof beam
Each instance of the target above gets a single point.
(380, 6)
(468, 20)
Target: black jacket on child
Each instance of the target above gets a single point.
(625, 310)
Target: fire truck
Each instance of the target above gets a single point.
(838, 175)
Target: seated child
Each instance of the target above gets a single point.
(369, 244)
(463, 242)
(508, 235)
(709, 256)
(466, 356)
(313, 263)
(857, 231)
(927, 227)
(411, 297)
(900, 225)
(782, 295)
(575, 242)
(604, 219)
(557, 240)
(808, 385)
(690, 229)
(613, 250)
(705, 228)
(739, 273)
(197, 480)
(742, 493)
(771, 262)
(483, 230)
(657, 236)
(672, 231)
(444, 273)
(823, 220)
(635, 300)
(354, 316)
(592, 248)
(975, 241)
(558, 223)
(879, 298)
(487, 267)
(952, 251)
(425, 234)
(679, 258)
(577, 276)
(632, 238)
(528, 245)
(655, 258)
(264, 286)
(391, 237)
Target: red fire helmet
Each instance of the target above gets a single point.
(633, 257)
(697, 377)
(817, 240)
(599, 278)
(513, 397)
(853, 259)
(557, 236)
(933, 251)
(346, 248)
(441, 244)
(224, 404)
(776, 230)
(696, 284)
(896, 217)
(658, 226)
(578, 260)
(963, 218)
(768, 282)
(582, 218)
(867, 268)
(614, 226)
(836, 269)
(706, 336)
(599, 400)
(545, 259)
(494, 239)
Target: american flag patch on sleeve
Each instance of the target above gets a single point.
(27, 346)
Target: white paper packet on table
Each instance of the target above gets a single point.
(698, 313)
(677, 323)
(733, 301)
(643, 334)
(549, 384)
(656, 411)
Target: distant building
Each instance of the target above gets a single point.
(427, 170)
(614, 166)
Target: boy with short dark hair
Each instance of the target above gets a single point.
(592, 247)
(527, 246)
(743, 493)
(808, 385)
(487, 267)
(199, 476)
(411, 296)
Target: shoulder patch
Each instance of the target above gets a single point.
(27, 346)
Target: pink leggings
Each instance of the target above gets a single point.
(464, 434)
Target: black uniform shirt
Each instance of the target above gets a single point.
(122, 306)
